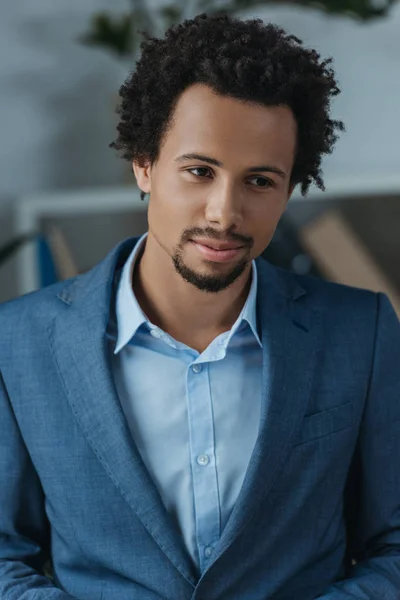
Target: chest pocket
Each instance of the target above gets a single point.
(325, 423)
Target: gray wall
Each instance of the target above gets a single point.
(56, 98)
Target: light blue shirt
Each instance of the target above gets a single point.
(193, 416)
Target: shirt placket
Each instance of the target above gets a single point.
(203, 461)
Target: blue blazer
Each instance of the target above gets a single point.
(319, 511)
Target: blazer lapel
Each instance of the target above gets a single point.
(79, 347)
(290, 337)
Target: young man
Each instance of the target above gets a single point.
(186, 421)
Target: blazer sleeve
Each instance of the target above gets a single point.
(24, 529)
(373, 489)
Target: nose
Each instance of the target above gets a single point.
(225, 206)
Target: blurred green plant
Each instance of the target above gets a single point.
(122, 35)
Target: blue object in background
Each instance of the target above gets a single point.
(47, 269)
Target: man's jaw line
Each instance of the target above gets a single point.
(199, 267)
(206, 276)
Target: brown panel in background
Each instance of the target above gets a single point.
(342, 257)
(375, 220)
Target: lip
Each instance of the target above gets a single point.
(217, 255)
(216, 245)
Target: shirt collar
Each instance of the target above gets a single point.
(129, 315)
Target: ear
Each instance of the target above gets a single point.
(143, 176)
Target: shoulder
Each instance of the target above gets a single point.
(37, 301)
(30, 312)
(350, 309)
(320, 294)
(349, 317)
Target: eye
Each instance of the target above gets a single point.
(201, 171)
(261, 182)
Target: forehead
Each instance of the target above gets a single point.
(204, 121)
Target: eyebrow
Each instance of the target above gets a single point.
(218, 163)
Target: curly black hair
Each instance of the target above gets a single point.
(248, 60)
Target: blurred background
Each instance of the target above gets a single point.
(66, 199)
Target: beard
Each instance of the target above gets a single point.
(211, 283)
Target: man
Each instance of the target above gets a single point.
(186, 421)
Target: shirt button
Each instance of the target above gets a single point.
(203, 460)
(196, 368)
(208, 551)
(155, 333)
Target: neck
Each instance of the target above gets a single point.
(178, 307)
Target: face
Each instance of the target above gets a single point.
(222, 175)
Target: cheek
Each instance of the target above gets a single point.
(167, 216)
(264, 225)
